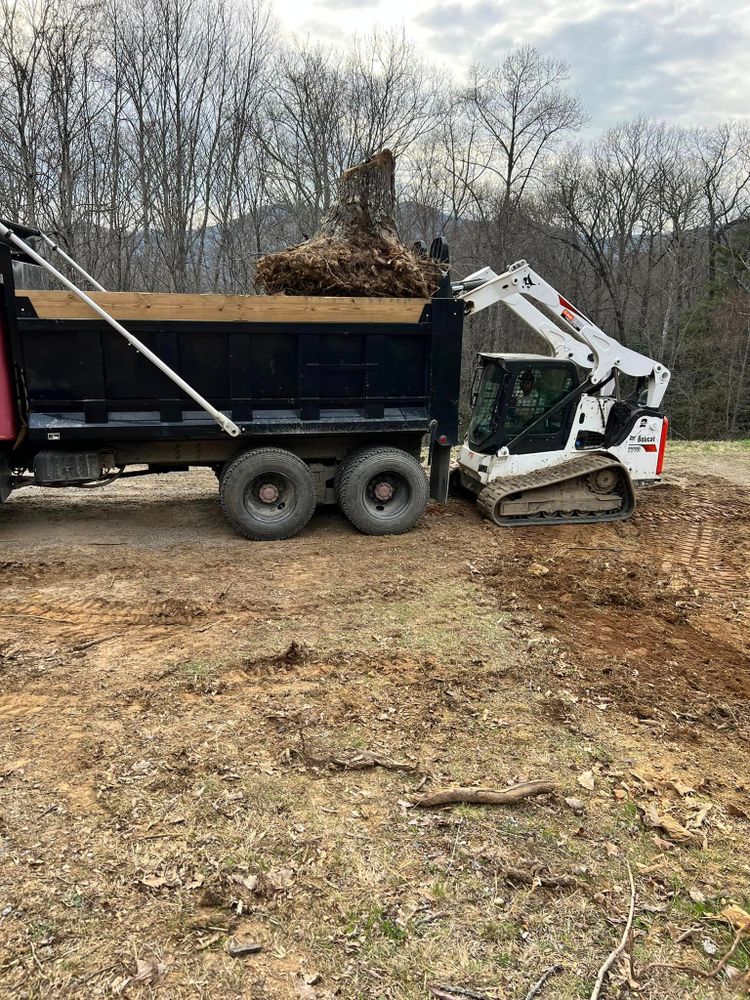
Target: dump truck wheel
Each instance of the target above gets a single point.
(343, 466)
(267, 494)
(382, 491)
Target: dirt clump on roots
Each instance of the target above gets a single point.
(356, 250)
(326, 265)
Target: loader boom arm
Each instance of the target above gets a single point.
(574, 337)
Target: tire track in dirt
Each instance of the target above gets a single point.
(70, 619)
(656, 610)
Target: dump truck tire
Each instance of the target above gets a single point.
(343, 466)
(267, 494)
(382, 491)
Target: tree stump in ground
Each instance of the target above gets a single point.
(356, 250)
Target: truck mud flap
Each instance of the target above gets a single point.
(6, 482)
(440, 468)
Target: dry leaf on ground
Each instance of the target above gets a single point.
(735, 810)
(668, 824)
(680, 787)
(737, 917)
(536, 569)
(577, 805)
(696, 821)
(586, 780)
(148, 970)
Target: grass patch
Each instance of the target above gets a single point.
(201, 677)
(680, 448)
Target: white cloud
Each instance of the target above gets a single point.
(681, 60)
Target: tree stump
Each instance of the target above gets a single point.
(356, 250)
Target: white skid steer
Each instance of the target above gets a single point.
(554, 440)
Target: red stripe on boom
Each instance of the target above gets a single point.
(566, 305)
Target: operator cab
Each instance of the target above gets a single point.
(520, 398)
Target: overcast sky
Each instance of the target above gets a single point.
(685, 61)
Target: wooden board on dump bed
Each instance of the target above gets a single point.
(163, 306)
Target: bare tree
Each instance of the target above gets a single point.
(724, 155)
(325, 113)
(524, 114)
(23, 99)
(605, 209)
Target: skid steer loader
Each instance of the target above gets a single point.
(558, 439)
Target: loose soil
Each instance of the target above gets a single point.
(177, 707)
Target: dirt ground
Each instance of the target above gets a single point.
(207, 742)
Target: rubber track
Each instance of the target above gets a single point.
(584, 465)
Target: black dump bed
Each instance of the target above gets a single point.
(275, 365)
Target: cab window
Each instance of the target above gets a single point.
(536, 390)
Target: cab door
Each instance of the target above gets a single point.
(536, 389)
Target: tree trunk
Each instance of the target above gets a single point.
(365, 202)
(356, 250)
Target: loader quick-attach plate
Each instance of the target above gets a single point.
(585, 490)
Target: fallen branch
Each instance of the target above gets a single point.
(96, 642)
(456, 993)
(485, 796)
(711, 973)
(690, 932)
(355, 760)
(238, 949)
(521, 877)
(364, 759)
(623, 943)
(675, 831)
(547, 974)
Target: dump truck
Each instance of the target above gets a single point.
(293, 401)
(296, 401)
